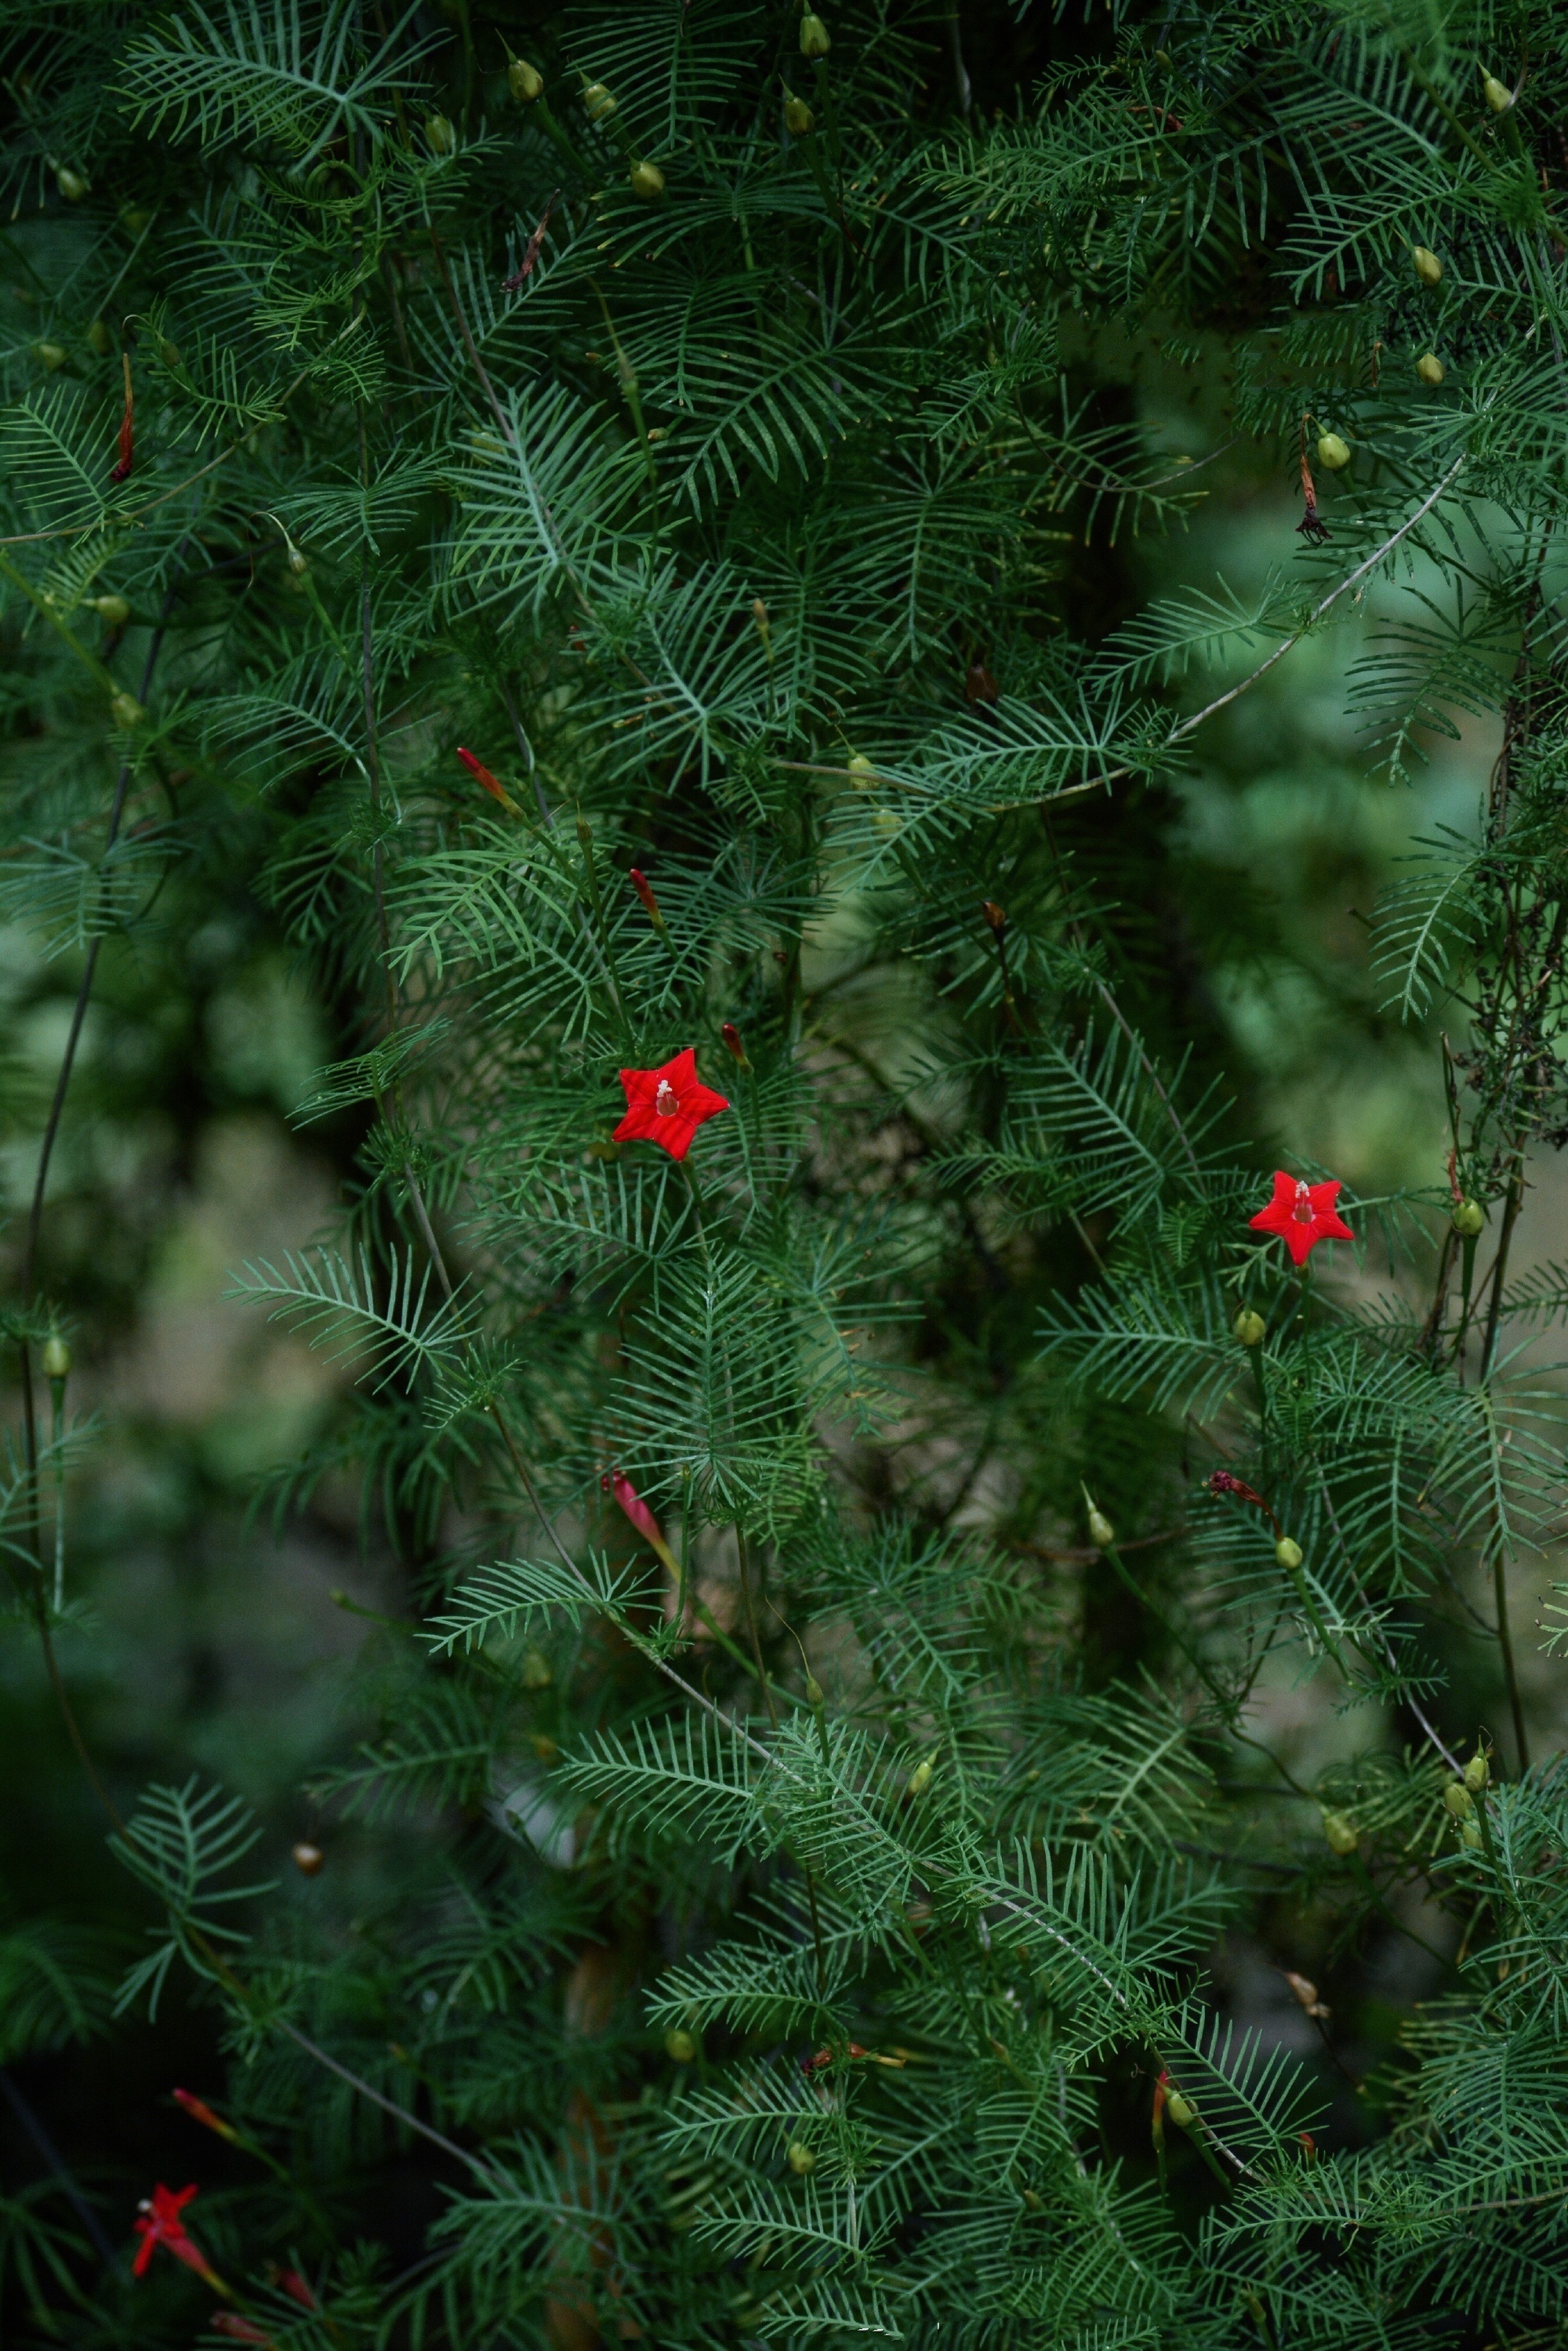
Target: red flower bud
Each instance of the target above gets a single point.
(293, 2284)
(481, 774)
(731, 1036)
(995, 915)
(200, 2111)
(644, 889)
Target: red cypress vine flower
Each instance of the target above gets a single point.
(667, 1105)
(1302, 1215)
(616, 1483)
(481, 774)
(159, 2223)
(126, 427)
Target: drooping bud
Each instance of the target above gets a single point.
(647, 181)
(800, 2158)
(598, 101)
(1429, 268)
(814, 41)
(57, 1358)
(1478, 1773)
(1498, 95)
(482, 775)
(524, 80)
(1250, 1327)
(920, 1778)
(113, 609)
(51, 355)
(1332, 451)
(307, 1859)
(1458, 1801)
(1288, 1553)
(1341, 1832)
(71, 184)
(535, 1674)
(100, 337)
(125, 710)
(200, 2111)
(1468, 1219)
(1430, 368)
(644, 890)
(799, 119)
(734, 1047)
(680, 2044)
(440, 134)
(863, 774)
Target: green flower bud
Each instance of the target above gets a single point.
(1478, 1773)
(440, 135)
(71, 184)
(1182, 2111)
(920, 1778)
(1341, 1831)
(647, 181)
(1470, 1836)
(99, 338)
(814, 41)
(1250, 1327)
(1102, 1533)
(134, 219)
(57, 1358)
(1498, 95)
(524, 80)
(1468, 1219)
(1288, 1553)
(800, 2158)
(814, 1698)
(1430, 368)
(535, 1674)
(1333, 452)
(798, 117)
(1429, 268)
(680, 2045)
(52, 355)
(113, 609)
(1458, 1800)
(600, 104)
(125, 710)
(168, 352)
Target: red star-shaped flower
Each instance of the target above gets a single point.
(159, 2223)
(1302, 1215)
(667, 1105)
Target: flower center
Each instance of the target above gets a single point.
(666, 1102)
(1303, 1211)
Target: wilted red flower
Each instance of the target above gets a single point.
(1302, 1215)
(979, 686)
(1226, 1481)
(159, 2223)
(667, 1105)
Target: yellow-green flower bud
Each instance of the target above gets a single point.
(798, 117)
(113, 609)
(71, 184)
(1498, 95)
(814, 41)
(169, 352)
(1333, 452)
(57, 1358)
(920, 1778)
(524, 80)
(125, 710)
(680, 2045)
(1478, 1773)
(439, 134)
(1288, 1553)
(52, 355)
(599, 102)
(1341, 1831)
(1102, 1533)
(1470, 1836)
(1182, 2111)
(1430, 368)
(1468, 1219)
(535, 1674)
(1458, 1800)
(647, 181)
(814, 1698)
(1250, 1327)
(100, 337)
(802, 2158)
(1429, 268)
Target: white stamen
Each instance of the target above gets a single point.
(666, 1102)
